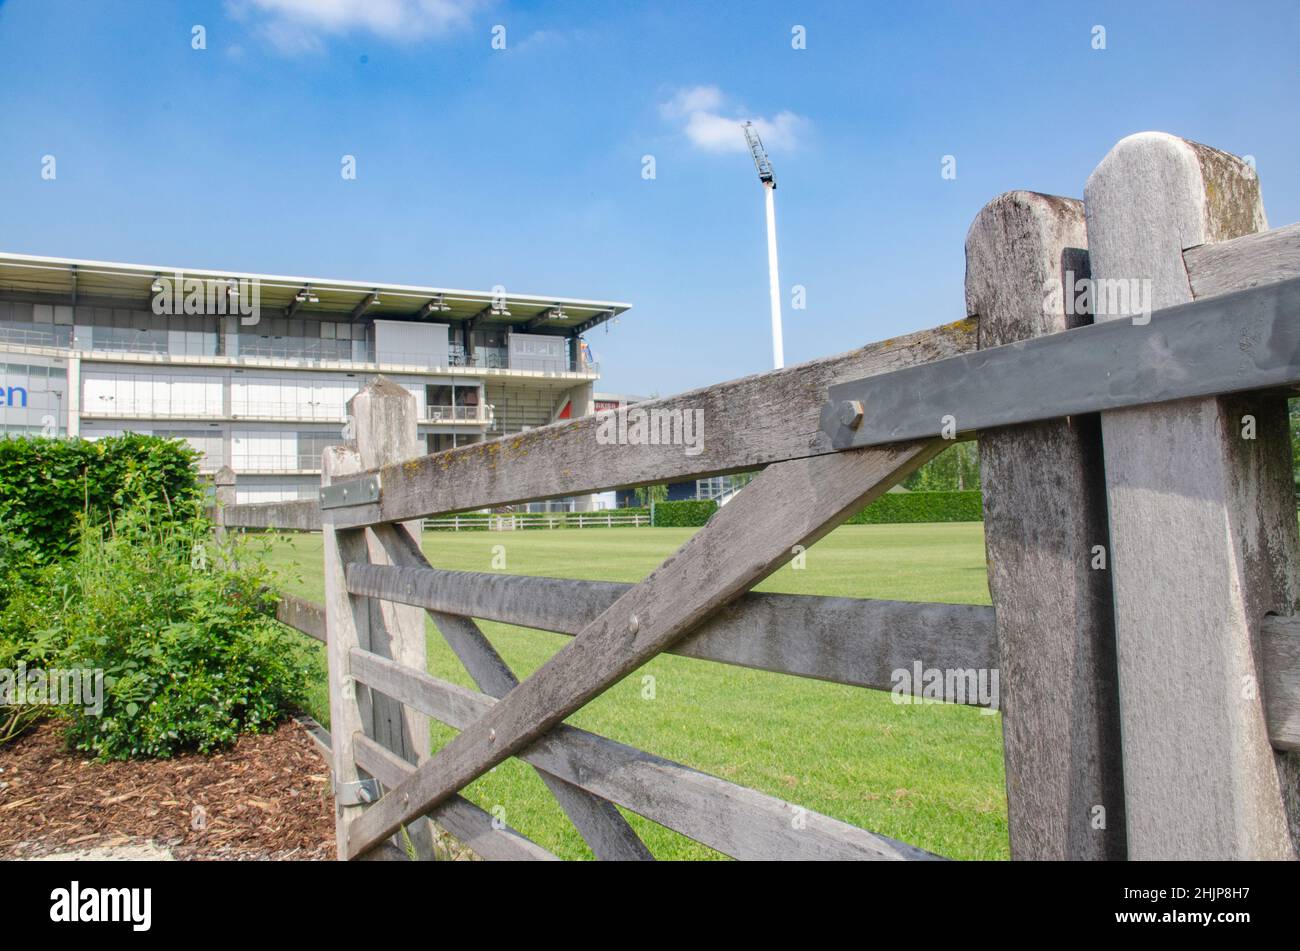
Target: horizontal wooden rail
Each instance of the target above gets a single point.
(464, 820)
(736, 821)
(1279, 642)
(1247, 340)
(300, 516)
(301, 615)
(844, 640)
(318, 735)
(742, 425)
(777, 632)
(1249, 261)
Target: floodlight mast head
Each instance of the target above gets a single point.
(761, 162)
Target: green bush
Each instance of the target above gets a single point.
(189, 647)
(688, 513)
(47, 485)
(26, 637)
(895, 507)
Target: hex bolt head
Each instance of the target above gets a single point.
(851, 413)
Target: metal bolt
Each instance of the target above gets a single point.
(492, 736)
(851, 413)
(633, 624)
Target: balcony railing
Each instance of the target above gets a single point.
(276, 462)
(149, 409)
(483, 413)
(319, 411)
(302, 411)
(485, 358)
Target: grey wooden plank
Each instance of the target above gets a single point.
(852, 641)
(464, 820)
(300, 516)
(387, 431)
(737, 821)
(302, 615)
(746, 424)
(318, 734)
(601, 826)
(790, 503)
(1203, 534)
(489, 839)
(1279, 646)
(1248, 340)
(1239, 263)
(1044, 515)
(347, 622)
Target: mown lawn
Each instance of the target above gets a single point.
(929, 775)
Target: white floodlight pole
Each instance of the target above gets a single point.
(774, 281)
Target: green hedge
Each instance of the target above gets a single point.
(894, 507)
(46, 484)
(689, 513)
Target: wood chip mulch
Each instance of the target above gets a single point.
(266, 798)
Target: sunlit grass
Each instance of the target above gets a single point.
(929, 775)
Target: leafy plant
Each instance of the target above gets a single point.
(897, 507)
(646, 494)
(956, 469)
(687, 513)
(188, 644)
(48, 485)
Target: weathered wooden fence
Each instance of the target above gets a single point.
(511, 522)
(1124, 364)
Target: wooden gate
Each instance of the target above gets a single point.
(1124, 364)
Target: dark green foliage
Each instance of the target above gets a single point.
(190, 650)
(46, 485)
(921, 507)
(688, 513)
(956, 469)
(646, 494)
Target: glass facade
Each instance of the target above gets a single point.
(137, 331)
(32, 398)
(295, 339)
(209, 442)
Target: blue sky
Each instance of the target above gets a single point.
(523, 166)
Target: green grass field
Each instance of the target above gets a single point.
(929, 775)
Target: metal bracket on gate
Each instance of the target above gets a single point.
(1247, 340)
(361, 793)
(354, 492)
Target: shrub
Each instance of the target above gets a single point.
(688, 513)
(46, 485)
(27, 638)
(189, 647)
(921, 507)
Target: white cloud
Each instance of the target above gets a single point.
(298, 25)
(712, 124)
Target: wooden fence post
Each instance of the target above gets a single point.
(1044, 516)
(347, 622)
(224, 481)
(1202, 525)
(386, 421)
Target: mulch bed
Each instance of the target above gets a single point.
(266, 798)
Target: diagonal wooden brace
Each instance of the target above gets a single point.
(601, 825)
(790, 503)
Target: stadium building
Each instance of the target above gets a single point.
(255, 370)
